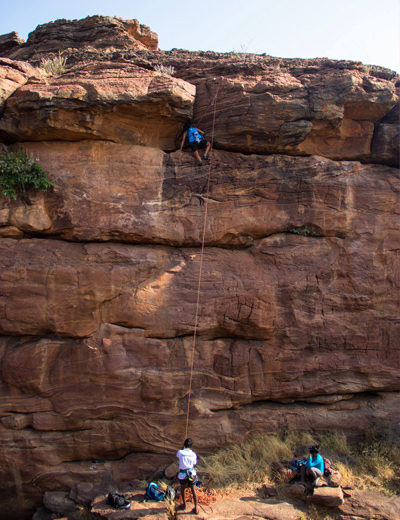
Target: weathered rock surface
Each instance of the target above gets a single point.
(114, 102)
(298, 313)
(370, 504)
(98, 32)
(13, 74)
(329, 113)
(59, 502)
(8, 42)
(326, 496)
(228, 509)
(105, 191)
(386, 141)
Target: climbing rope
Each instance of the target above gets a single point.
(201, 264)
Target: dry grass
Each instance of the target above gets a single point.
(165, 69)
(369, 463)
(53, 66)
(245, 463)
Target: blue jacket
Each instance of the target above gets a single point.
(316, 462)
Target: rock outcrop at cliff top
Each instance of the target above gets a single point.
(299, 312)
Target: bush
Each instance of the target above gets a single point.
(165, 69)
(18, 174)
(54, 66)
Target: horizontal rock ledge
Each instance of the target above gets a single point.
(112, 192)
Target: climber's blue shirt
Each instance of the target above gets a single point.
(193, 135)
(316, 462)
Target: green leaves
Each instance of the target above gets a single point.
(18, 174)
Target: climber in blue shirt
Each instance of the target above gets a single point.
(196, 140)
(314, 467)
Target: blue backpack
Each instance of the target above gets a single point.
(154, 493)
(194, 135)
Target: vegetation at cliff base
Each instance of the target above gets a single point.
(19, 174)
(371, 462)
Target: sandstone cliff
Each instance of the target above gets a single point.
(299, 322)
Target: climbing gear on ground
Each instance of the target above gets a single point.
(118, 501)
(297, 463)
(328, 467)
(154, 493)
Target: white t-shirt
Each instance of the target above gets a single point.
(187, 460)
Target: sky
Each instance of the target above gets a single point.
(361, 30)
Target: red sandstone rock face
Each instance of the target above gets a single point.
(298, 324)
(108, 101)
(13, 74)
(328, 112)
(105, 191)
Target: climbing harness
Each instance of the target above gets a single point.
(201, 264)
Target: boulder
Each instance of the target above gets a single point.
(9, 42)
(59, 502)
(365, 505)
(43, 514)
(86, 492)
(324, 111)
(326, 496)
(114, 102)
(269, 490)
(13, 74)
(100, 32)
(385, 147)
(171, 471)
(335, 479)
(293, 492)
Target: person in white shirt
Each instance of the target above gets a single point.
(187, 473)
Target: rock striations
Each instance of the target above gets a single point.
(299, 323)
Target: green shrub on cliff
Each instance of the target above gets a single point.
(19, 174)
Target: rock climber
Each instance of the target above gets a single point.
(196, 140)
(314, 467)
(187, 473)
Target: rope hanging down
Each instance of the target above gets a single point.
(201, 265)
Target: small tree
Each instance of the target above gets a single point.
(18, 174)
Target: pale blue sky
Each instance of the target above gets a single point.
(364, 30)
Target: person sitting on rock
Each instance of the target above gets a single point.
(196, 140)
(314, 467)
(187, 474)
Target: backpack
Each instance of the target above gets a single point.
(296, 464)
(328, 467)
(193, 135)
(154, 493)
(118, 501)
